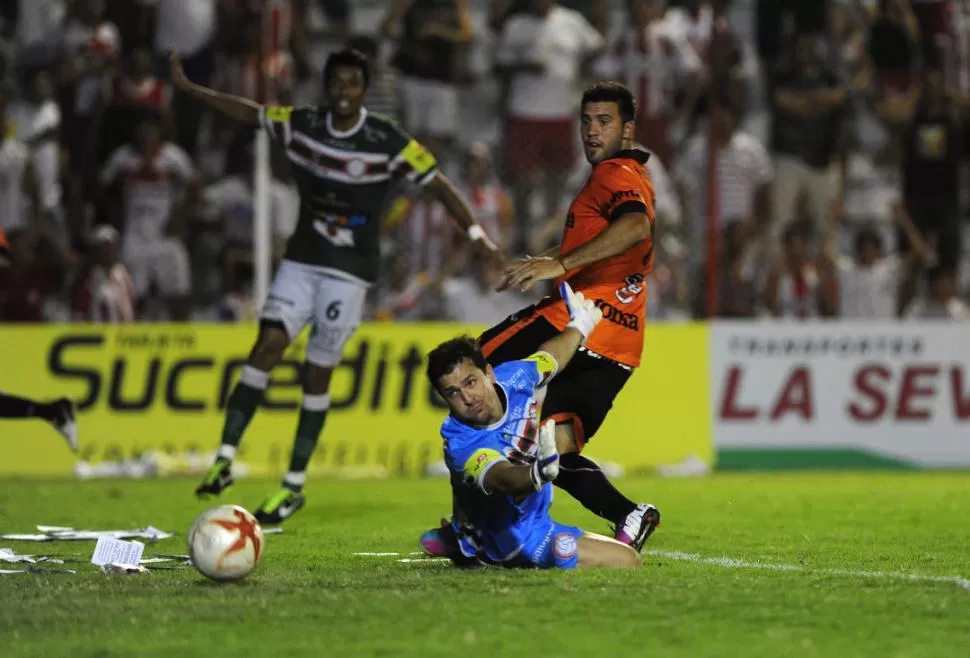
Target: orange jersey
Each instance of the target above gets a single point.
(617, 185)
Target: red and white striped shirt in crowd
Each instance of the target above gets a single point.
(650, 61)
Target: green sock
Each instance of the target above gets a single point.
(242, 405)
(313, 414)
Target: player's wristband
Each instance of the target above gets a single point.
(476, 233)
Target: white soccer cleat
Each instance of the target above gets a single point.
(65, 421)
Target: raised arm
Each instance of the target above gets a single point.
(237, 108)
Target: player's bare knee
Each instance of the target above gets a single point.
(269, 348)
(316, 379)
(566, 439)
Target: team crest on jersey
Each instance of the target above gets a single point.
(356, 168)
(633, 287)
(564, 546)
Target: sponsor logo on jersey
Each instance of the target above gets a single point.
(618, 317)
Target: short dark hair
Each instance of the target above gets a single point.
(449, 355)
(610, 91)
(350, 58)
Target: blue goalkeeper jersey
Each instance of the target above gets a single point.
(497, 526)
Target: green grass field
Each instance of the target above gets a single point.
(849, 540)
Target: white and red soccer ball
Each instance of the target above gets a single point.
(225, 543)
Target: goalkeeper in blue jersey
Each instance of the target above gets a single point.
(502, 462)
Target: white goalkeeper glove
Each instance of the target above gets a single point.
(546, 466)
(583, 313)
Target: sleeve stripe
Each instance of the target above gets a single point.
(628, 207)
(426, 178)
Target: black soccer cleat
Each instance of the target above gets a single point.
(216, 480)
(281, 505)
(634, 529)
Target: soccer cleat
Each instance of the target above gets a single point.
(634, 529)
(443, 542)
(65, 422)
(440, 542)
(280, 506)
(216, 480)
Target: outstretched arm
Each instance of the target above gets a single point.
(237, 108)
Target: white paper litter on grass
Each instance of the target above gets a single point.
(118, 567)
(61, 533)
(37, 570)
(117, 551)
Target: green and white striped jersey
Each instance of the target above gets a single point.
(344, 179)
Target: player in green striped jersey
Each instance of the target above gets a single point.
(345, 161)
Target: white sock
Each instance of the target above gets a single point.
(255, 378)
(226, 451)
(295, 479)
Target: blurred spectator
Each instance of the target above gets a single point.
(871, 279)
(470, 298)
(153, 174)
(654, 61)
(27, 284)
(667, 295)
(737, 283)
(932, 152)
(847, 46)
(189, 27)
(489, 200)
(744, 176)
(941, 302)
(91, 48)
(667, 205)
(135, 95)
(894, 56)
(103, 291)
(15, 206)
(795, 287)
(809, 111)
(248, 71)
(228, 215)
(542, 55)
(382, 96)
(36, 122)
(432, 39)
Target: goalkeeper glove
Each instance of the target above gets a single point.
(583, 313)
(546, 466)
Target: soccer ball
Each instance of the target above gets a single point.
(225, 543)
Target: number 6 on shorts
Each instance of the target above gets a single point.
(337, 309)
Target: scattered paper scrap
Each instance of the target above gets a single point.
(9, 555)
(60, 533)
(119, 567)
(33, 569)
(272, 531)
(118, 551)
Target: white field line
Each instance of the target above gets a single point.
(731, 563)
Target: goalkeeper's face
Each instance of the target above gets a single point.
(471, 395)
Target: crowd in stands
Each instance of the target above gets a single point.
(810, 158)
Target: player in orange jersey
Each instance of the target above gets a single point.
(607, 254)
